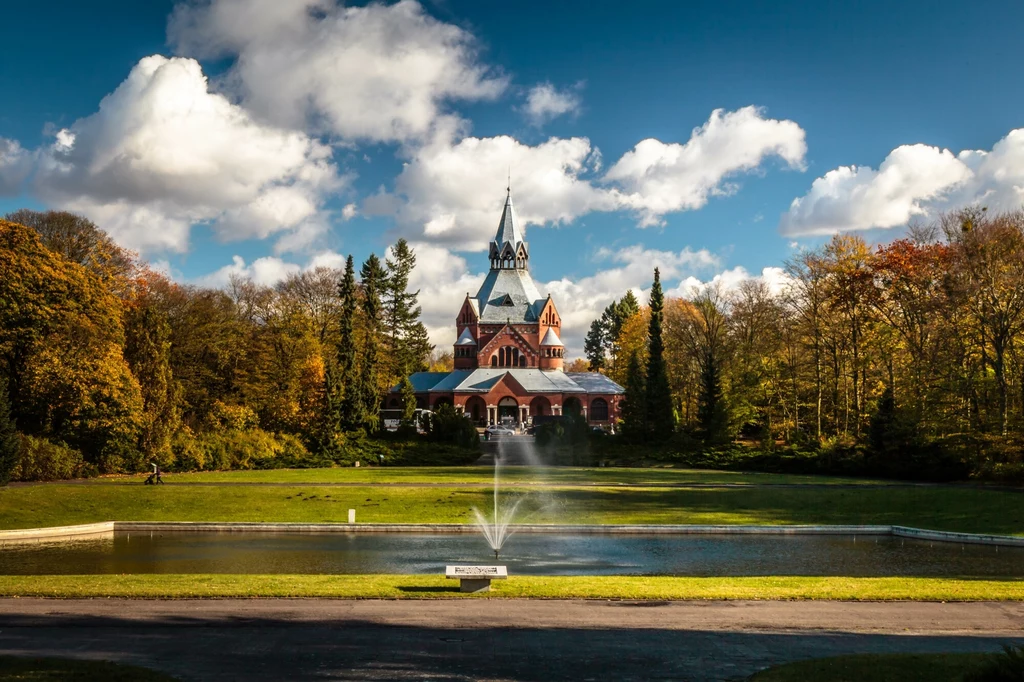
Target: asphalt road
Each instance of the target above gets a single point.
(532, 641)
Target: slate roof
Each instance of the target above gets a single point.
(466, 339)
(551, 338)
(526, 301)
(533, 380)
(509, 231)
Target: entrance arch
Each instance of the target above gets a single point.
(508, 410)
(476, 409)
(572, 406)
(540, 406)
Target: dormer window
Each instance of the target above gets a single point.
(506, 300)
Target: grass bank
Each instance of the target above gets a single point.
(954, 509)
(517, 587)
(878, 668)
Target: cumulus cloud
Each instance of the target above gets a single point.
(545, 102)
(729, 281)
(451, 191)
(452, 188)
(163, 152)
(914, 181)
(659, 178)
(379, 72)
(267, 271)
(15, 165)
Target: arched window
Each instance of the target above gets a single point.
(494, 361)
(599, 410)
(508, 356)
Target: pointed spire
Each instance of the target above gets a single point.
(509, 249)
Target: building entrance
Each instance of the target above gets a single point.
(508, 411)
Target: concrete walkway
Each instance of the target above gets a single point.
(489, 639)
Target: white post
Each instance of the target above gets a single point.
(351, 515)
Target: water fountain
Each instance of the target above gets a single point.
(497, 530)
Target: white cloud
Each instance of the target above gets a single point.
(267, 271)
(452, 192)
(660, 178)
(729, 281)
(15, 165)
(349, 212)
(914, 181)
(379, 72)
(545, 102)
(452, 189)
(162, 153)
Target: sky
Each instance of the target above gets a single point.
(713, 140)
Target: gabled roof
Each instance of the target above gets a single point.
(531, 379)
(551, 338)
(595, 382)
(466, 339)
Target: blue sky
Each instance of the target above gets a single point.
(292, 153)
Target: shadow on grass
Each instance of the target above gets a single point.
(427, 589)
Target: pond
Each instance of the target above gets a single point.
(524, 554)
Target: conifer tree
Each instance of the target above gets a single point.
(594, 346)
(712, 416)
(407, 342)
(372, 278)
(343, 396)
(408, 402)
(148, 352)
(660, 416)
(8, 436)
(634, 404)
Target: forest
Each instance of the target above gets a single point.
(906, 359)
(107, 366)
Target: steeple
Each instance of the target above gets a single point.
(508, 249)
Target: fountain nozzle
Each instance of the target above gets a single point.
(496, 554)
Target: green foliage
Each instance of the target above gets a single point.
(634, 404)
(373, 279)
(232, 448)
(231, 417)
(41, 460)
(9, 443)
(408, 345)
(1005, 667)
(408, 402)
(657, 394)
(595, 346)
(448, 426)
(148, 353)
(712, 415)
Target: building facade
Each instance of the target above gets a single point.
(509, 354)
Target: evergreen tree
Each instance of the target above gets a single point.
(634, 403)
(658, 394)
(372, 278)
(407, 342)
(624, 309)
(408, 402)
(594, 347)
(9, 442)
(148, 352)
(712, 416)
(343, 396)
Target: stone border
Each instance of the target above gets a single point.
(107, 530)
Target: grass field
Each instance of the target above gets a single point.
(534, 587)
(966, 509)
(877, 668)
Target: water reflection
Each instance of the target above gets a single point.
(525, 554)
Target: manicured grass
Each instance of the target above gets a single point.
(877, 668)
(535, 587)
(42, 669)
(569, 475)
(941, 508)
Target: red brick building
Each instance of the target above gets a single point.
(509, 353)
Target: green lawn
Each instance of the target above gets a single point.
(877, 668)
(534, 587)
(569, 475)
(42, 669)
(944, 508)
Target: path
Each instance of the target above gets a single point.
(489, 639)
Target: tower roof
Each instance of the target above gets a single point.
(551, 338)
(509, 230)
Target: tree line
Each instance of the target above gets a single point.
(905, 359)
(107, 365)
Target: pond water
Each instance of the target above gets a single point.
(524, 554)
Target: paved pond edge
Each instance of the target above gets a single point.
(107, 529)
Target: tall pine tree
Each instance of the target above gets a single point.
(9, 441)
(407, 342)
(594, 346)
(634, 404)
(660, 417)
(343, 395)
(372, 278)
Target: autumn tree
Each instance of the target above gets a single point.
(148, 353)
(9, 442)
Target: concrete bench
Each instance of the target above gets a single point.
(475, 578)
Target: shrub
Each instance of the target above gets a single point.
(448, 426)
(41, 460)
(236, 449)
(1005, 667)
